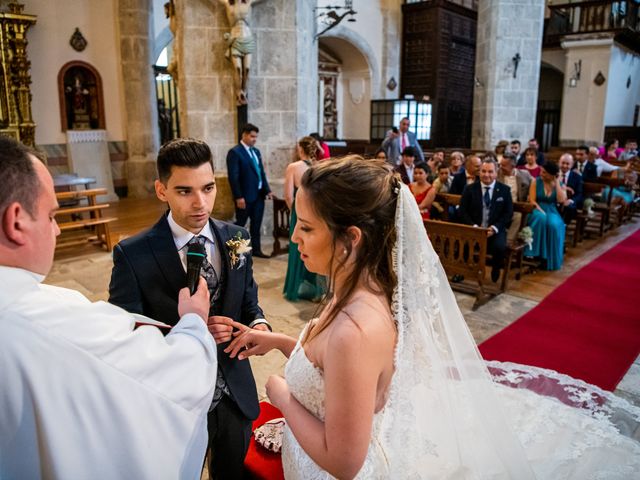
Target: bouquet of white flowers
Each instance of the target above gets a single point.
(526, 235)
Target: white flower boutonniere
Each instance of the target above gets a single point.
(238, 247)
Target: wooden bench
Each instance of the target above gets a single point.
(83, 219)
(462, 250)
(281, 218)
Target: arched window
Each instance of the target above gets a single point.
(81, 100)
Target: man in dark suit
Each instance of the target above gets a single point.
(488, 204)
(572, 180)
(406, 167)
(249, 184)
(466, 175)
(150, 269)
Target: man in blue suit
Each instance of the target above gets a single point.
(572, 180)
(249, 184)
(488, 204)
(150, 269)
(399, 139)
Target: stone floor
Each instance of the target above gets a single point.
(89, 273)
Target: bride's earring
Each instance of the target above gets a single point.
(344, 252)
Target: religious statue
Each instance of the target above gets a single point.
(170, 13)
(78, 105)
(240, 44)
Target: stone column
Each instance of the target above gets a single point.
(134, 17)
(505, 107)
(282, 89)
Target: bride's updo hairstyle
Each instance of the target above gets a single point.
(310, 147)
(352, 191)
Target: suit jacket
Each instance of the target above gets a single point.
(523, 180)
(402, 170)
(243, 176)
(393, 147)
(576, 183)
(148, 274)
(522, 159)
(590, 172)
(500, 211)
(459, 182)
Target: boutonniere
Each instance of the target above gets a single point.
(238, 247)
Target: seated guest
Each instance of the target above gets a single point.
(466, 175)
(515, 149)
(610, 151)
(422, 190)
(442, 184)
(456, 159)
(530, 164)
(545, 220)
(630, 150)
(406, 167)
(501, 147)
(533, 143)
(518, 182)
(601, 165)
(380, 155)
(488, 204)
(323, 150)
(433, 163)
(572, 181)
(581, 156)
(624, 194)
(84, 393)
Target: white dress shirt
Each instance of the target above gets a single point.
(604, 167)
(84, 395)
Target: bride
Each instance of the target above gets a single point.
(388, 382)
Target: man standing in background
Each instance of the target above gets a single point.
(399, 139)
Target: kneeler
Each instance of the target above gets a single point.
(261, 464)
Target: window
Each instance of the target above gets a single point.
(388, 113)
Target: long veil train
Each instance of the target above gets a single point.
(446, 416)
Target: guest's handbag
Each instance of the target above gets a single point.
(269, 435)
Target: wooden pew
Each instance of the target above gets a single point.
(82, 221)
(281, 218)
(462, 250)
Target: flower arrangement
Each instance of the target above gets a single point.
(526, 235)
(588, 206)
(238, 247)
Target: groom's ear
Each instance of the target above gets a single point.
(354, 234)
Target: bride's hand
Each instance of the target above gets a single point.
(277, 391)
(249, 341)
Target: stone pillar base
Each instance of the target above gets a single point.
(141, 175)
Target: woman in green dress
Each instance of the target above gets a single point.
(300, 283)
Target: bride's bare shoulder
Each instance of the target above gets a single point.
(367, 315)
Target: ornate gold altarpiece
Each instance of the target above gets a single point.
(15, 80)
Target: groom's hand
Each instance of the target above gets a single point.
(222, 328)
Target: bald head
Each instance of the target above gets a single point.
(566, 162)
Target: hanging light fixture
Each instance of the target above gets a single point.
(331, 15)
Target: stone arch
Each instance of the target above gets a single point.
(363, 46)
(81, 97)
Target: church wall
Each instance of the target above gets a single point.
(49, 50)
(622, 100)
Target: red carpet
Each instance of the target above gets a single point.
(588, 327)
(261, 464)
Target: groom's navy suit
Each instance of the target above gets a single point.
(148, 274)
(245, 177)
(500, 215)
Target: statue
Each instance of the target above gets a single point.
(170, 13)
(78, 105)
(240, 44)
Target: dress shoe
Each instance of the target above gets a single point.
(457, 278)
(495, 274)
(260, 255)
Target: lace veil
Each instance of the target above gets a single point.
(442, 398)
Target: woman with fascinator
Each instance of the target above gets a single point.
(387, 382)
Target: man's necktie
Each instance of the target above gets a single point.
(404, 142)
(213, 283)
(566, 178)
(256, 164)
(487, 197)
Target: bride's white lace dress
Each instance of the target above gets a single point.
(448, 418)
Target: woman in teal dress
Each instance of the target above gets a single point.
(300, 283)
(545, 221)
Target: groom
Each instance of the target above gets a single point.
(150, 269)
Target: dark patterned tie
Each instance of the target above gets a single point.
(209, 274)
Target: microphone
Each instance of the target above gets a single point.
(196, 255)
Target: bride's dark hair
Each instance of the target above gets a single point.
(363, 193)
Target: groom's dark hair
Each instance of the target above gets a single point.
(182, 152)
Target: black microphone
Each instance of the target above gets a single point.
(196, 255)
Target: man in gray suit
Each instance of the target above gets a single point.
(397, 140)
(519, 181)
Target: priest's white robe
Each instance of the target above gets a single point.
(84, 395)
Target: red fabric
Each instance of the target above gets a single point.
(419, 198)
(261, 464)
(588, 327)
